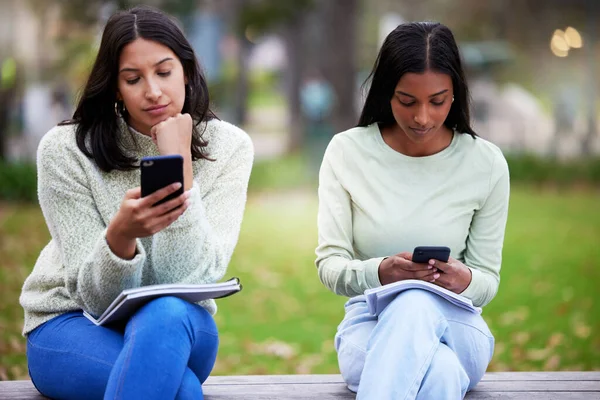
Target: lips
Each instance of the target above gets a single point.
(156, 110)
(420, 131)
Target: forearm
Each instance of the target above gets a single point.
(349, 277)
(188, 171)
(121, 246)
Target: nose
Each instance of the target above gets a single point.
(153, 91)
(421, 116)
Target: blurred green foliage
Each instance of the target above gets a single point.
(18, 182)
(530, 168)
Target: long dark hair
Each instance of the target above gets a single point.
(98, 134)
(416, 47)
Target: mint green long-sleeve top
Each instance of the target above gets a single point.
(375, 202)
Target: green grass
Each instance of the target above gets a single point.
(546, 315)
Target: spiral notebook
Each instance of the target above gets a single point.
(379, 298)
(129, 300)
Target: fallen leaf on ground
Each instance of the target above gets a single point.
(274, 348)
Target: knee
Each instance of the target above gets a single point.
(415, 301)
(412, 306)
(165, 308)
(173, 312)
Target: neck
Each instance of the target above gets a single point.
(139, 129)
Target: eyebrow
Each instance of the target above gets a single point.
(156, 65)
(410, 95)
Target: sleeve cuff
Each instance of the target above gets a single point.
(372, 272)
(476, 277)
(140, 254)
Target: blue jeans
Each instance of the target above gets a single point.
(419, 347)
(166, 350)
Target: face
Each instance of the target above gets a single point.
(420, 105)
(151, 83)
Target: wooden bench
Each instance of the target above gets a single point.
(495, 385)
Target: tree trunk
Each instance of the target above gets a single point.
(240, 112)
(592, 38)
(339, 60)
(294, 43)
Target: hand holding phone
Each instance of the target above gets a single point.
(150, 208)
(401, 267)
(452, 274)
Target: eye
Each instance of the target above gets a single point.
(163, 74)
(132, 81)
(437, 103)
(405, 103)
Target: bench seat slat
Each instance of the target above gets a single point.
(495, 385)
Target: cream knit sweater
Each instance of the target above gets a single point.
(78, 271)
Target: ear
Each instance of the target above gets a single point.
(119, 97)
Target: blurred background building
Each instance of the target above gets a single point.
(290, 72)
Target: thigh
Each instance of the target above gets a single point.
(69, 357)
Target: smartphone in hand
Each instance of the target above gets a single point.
(422, 254)
(160, 171)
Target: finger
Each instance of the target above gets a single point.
(160, 194)
(442, 281)
(427, 276)
(134, 193)
(442, 266)
(170, 205)
(412, 266)
(406, 255)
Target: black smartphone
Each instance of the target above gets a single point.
(160, 171)
(422, 254)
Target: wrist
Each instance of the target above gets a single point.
(381, 270)
(121, 245)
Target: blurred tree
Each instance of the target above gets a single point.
(253, 18)
(593, 19)
(338, 54)
(331, 25)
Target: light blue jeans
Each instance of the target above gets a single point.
(419, 347)
(165, 351)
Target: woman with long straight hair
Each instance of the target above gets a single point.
(413, 173)
(146, 96)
